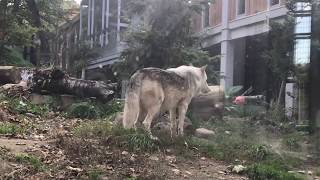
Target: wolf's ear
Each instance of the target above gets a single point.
(203, 68)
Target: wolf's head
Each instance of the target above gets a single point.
(202, 80)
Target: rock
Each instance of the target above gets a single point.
(31, 115)
(176, 171)
(161, 126)
(66, 101)
(39, 99)
(207, 105)
(9, 74)
(227, 132)
(124, 153)
(238, 168)
(301, 172)
(154, 158)
(204, 133)
(171, 159)
(74, 169)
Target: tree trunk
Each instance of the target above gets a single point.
(36, 20)
(58, 82)
(281, 91)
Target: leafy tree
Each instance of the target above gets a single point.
(279, 56)
(167, 39)
(21, 20)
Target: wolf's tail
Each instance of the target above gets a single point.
(132, 102)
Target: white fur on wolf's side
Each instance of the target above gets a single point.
(151, 97)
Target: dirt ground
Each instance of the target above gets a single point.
(63, 156)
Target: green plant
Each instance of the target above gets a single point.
(292, 142)
(9, 128)
(318, 171)
(31, 160)
(20, 105)
(93, 129)
(134, 140)
(95, 174)
(258, 152)
(112, 107)
(83, 110)
(269, 172)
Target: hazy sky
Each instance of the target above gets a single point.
(78, 1)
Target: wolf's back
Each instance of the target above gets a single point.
(132, 101)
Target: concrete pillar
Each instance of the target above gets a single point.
(107, 22)
(118, 23)
(226, 65)
(103, 13)
(227, 49)
(92, 23)
(89, 19)
(80, 26)
(289, 100)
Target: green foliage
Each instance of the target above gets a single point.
(292, 142)
(81, 54)
(95, 109)
(166, 41)
(263, 172)
(13, 57)
(130, 139)
(276, 113)
(95, 174)
(9, 128)
(233, 91)
(112, 107)
(93, 129)
(279, 55)
(318, 171)
(31, 160)
(83, 110)
(20, 105)
(258, 152)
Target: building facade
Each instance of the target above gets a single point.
(226, 24)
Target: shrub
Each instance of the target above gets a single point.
(83, 110)
(263, 172)
(318, 171)
(95, 174)
(93, 129)
(292, 142)
(258, 152)
(21, 106)
(9, 128)
(31, 160)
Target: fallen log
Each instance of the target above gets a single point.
(56, 81)
(9, 74)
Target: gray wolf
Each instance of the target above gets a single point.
(153, 91)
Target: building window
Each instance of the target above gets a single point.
(241, 7)
(274, 2)
(302, 51)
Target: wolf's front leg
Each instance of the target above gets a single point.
(182, 108)
(173, 122)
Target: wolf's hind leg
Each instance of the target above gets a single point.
(152, 112)
(182, 108)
